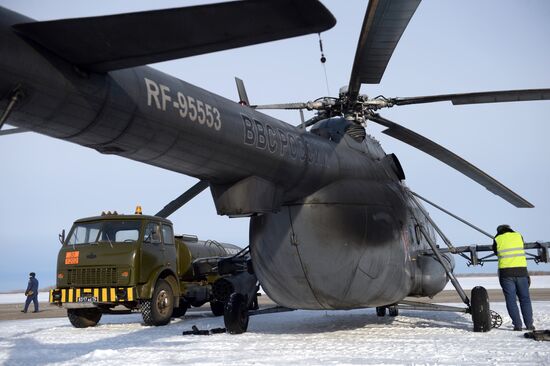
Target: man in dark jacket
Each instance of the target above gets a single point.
(513, 276)
(32, 293)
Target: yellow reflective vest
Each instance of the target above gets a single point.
(510, 250)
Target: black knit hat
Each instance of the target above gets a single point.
(503, 229)
(32, 274)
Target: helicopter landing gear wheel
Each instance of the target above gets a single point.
(235, 314)
(393, 310)
(381, 310)
(481, 313)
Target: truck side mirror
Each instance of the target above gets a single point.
(62, 237)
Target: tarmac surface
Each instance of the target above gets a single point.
(13, 311)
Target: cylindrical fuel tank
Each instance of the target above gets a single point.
(190, 248)
(339, 248)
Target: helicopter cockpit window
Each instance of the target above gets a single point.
(152, 233)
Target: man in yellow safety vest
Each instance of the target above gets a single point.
(513, 275)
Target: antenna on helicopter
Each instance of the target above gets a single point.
(323, 58)
(323, 61)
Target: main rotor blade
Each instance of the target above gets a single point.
(182, 199)
(112, 42)
(384, 23)
(300, 105)
(439, 152)
(479, 97)
(281, 106)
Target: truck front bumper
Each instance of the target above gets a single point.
(90, 296)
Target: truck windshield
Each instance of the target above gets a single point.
(109, 231)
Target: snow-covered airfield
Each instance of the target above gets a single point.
(356, 337)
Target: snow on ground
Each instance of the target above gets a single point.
(356, 337)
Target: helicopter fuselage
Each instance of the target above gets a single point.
(332, 225)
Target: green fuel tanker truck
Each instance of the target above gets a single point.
(135, 261)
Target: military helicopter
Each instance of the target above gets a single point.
(333, 225)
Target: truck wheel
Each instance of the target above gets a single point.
(158, 310)
(380, 310)
(217, 307)
(83, 318)
(235, 314)
(393, 310)
(481, 313)
(180, 310)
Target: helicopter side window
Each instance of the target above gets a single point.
(152, 233)
(418, 233)
(412, 235)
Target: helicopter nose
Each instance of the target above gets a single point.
(329, 275)
(320, 266)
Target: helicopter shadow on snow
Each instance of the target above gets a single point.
(309, 322)
(435, 319)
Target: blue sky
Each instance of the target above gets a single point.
(449, 46)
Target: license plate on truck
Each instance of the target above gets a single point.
(87, 299)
